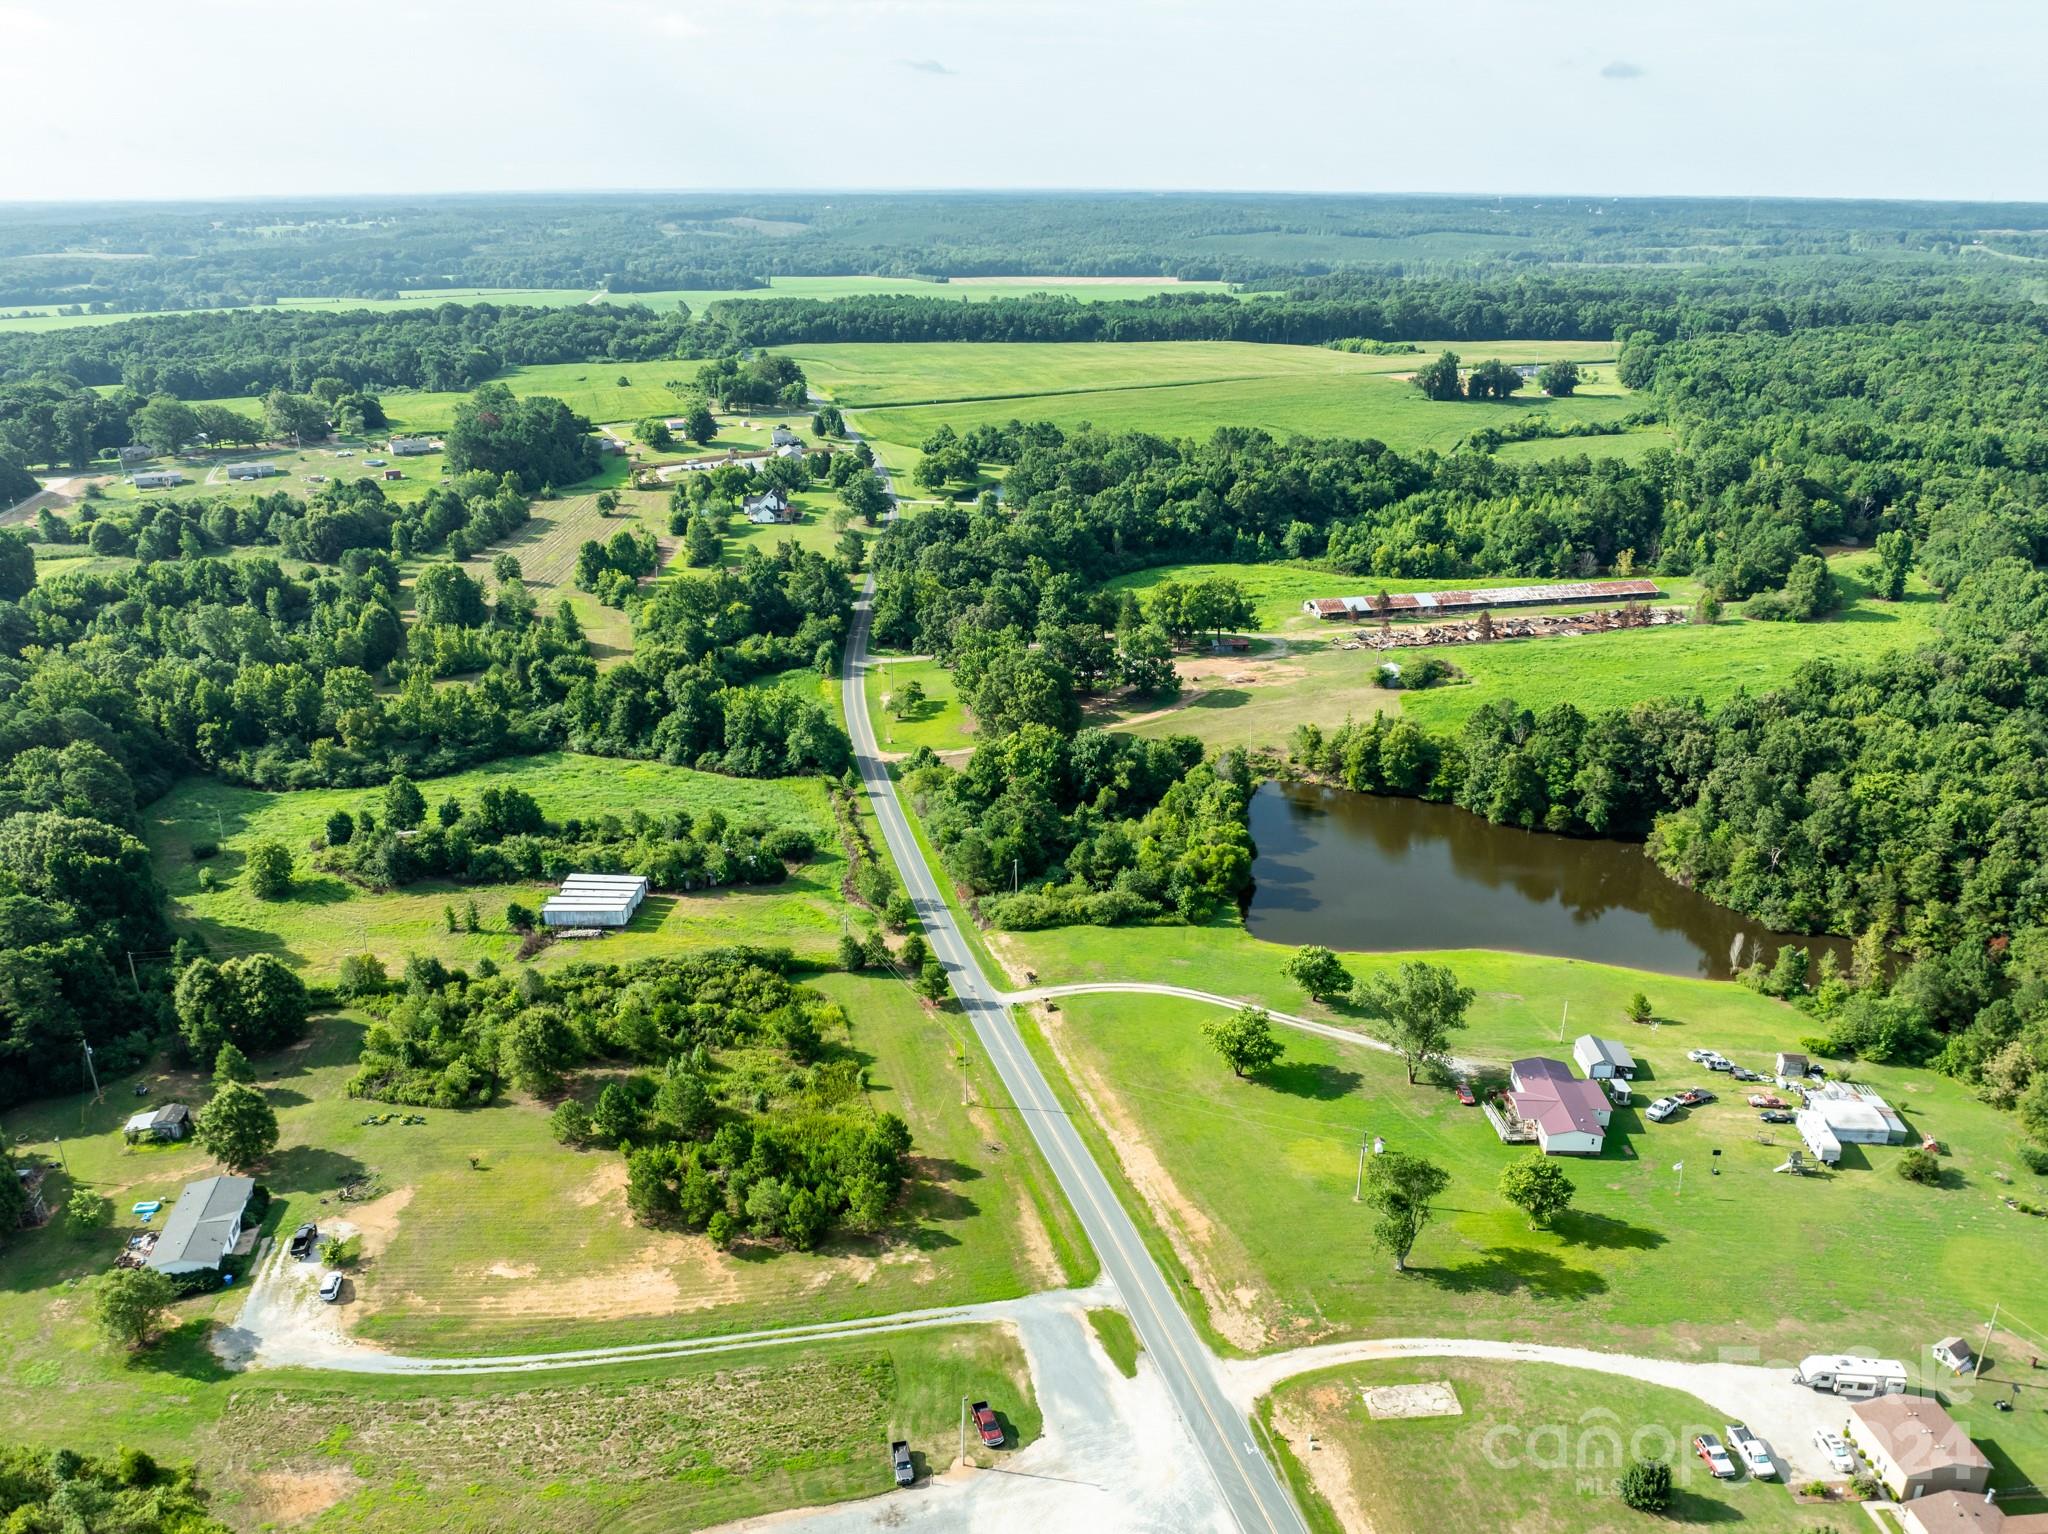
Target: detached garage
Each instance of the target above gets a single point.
(595, 900)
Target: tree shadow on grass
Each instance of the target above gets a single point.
(1220, 697)
(319, 889)
(1578, 1227)
(1518, 1270)
(283, 1097)
(1691, 1507)
(184, 1351)
(1298, 1078)
(309, 1169)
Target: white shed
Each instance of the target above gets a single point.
(1600, 1058)
(595, 900)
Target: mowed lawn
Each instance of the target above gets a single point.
(1534, 1448)
(485, 1235)
(1265, 1168)
(327, 917)
(941, 721)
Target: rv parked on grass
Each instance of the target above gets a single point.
(1857, 1379)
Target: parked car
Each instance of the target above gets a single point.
(1465, 1093)
(1708, 1448)
(1751, 1450)
(1744, 1073)
(330, 1291)
(304, 1239)
(1837, 1452)
(1699, 1056)
(1720, 1063)
(1662, 1109)
(1767, 1100)
(899, 1460)
(985, 1423)
(1693, 1097)
(1776, 1116)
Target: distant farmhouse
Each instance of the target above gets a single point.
(158, 479)
(782, 436)
(767, 509)
(1563, 1114)
(136, 452)
(252, 470)
(410, 447)
(173, 1121)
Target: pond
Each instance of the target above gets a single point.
(1376, 874)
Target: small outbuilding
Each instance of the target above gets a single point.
(253, 470)
(410, 447)
(173, 1121)
(595, 900)
(136, 452)
(782, 436)
(1791, 1069)
(1600, 1058)
(1857, 1114)
(1955, 1355)
(205, 1227)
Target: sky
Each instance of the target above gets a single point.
(108, 99)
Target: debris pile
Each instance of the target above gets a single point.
(1485, 627)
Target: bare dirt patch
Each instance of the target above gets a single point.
(293, 1496)
(607, 1184)
(377, 1221)
(1432, 1398)
(649, 1287)
(1328, 1468)
(1233, 1310)
(1240, 670)
(510, 1270)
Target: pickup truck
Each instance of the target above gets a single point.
(1754, 1455)
(899, 1461)
(985, 1424)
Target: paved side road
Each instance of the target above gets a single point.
(1781, 1413)
(1147, 988)
(1113, 1456)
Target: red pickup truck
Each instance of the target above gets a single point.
(985, 1423)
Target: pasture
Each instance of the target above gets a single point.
(1534, 1448)
(304, 472)
(325, 918)
(941, 721)
(1247, 1184)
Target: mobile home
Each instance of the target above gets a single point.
(1848, 1375)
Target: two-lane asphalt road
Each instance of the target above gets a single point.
(1222, 1434)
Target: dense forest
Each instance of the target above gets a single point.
(210, 255)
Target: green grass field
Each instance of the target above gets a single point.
(306, 471)
(1535, 1448)
(1252, 1180)
(1257, 700)
(326, 918)
(1119, 1339)
(940, 722)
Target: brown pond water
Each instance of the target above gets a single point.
(1376, 874)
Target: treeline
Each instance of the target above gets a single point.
(61, 1489)
(453, 347)
(1089, 826)
(748, 1114)
(504, 838)
(206, 255)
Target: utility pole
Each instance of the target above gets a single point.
(963, 1430)
(1561, 1020)
(1358, 1183)
(1679, 1168)
(92, 1070)
(132, 979)
(62, 1159)
(1988, 1328)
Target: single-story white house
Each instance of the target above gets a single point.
(1569, 1115)
(252, 470)
(595, 900)
(157, 479)
(204, 1227)
(410, 447)
(782, 436)
(1599, 1057)
(173, 1121)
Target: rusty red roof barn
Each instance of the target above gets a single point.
(1406, 604)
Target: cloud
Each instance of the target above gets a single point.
(928, 67)
(1621, 69)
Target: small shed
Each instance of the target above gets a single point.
(782, 436)
(595, 900)
(136, 452)
(1600, 1058)
(394, 474)
(173, 1121)
(1791, 1069)
(410, 447)
(1955, 1355)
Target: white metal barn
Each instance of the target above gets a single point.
(595, 900)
